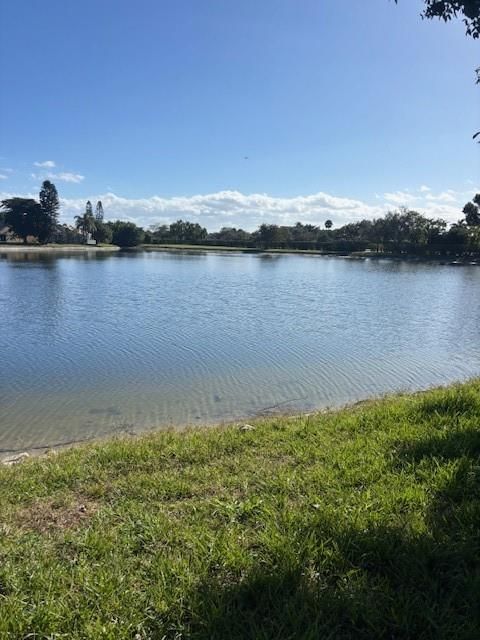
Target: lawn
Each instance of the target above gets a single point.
(361, 523)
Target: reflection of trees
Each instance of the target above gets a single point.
(45, 258)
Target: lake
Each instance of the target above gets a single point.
(95, 344)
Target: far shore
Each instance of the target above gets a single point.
(21, 248)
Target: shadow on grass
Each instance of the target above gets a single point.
(383, 585)
(331, 581)
(448, 404)
(447, 445)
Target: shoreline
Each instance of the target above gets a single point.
(358, 523)
(16, 248)
(9, 456)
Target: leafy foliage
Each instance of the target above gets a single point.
(179, 232)
(65, 234)
(448, 9)
(271, 235)
(103, 232)
(26, 217)
(401, 232)
(99, 211)
(467, 10)
(86, 223)
(231, 236)
(126, 234)
(472, 212)
(50, 205)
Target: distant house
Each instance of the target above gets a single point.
(5, 233)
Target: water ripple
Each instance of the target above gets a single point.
(92, 347)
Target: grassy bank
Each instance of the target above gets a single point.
(362, 523)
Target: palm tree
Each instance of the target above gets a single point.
(85, 224)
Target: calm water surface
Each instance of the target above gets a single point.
(96, 344)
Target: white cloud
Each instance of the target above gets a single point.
(229, 208)
(234, 208)
(3, 176)
(66, 176)
(46, 164)
(61, 176)
(400, 198)
(444, 196)
(424, 188)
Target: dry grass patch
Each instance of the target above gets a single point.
(48, 515)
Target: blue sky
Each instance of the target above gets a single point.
(238, 112)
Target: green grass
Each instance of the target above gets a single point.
(362, 523)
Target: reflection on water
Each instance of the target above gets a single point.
(98, 343)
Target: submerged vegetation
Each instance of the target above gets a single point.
(361, 523)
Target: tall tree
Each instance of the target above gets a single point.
(99, 211)
(328, 224)
(24, 216)
(50, 205)
(85, 224)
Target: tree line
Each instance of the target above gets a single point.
(123, 234)
(37, 221)
(28, 217)
(398, 232)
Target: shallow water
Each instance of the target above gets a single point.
(94, 344)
